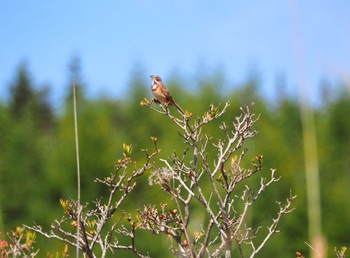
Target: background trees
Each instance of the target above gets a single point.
(37, 161)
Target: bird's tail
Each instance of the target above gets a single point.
(172, 102)
(178, 108)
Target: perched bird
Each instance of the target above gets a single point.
(161, 93)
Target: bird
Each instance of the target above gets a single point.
(161, 93)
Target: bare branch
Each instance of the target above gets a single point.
(273, 227)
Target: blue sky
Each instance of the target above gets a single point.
(167, 37)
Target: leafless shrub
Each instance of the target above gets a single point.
(191, 180)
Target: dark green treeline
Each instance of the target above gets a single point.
(38, 166)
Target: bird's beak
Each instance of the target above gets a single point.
(153, 81)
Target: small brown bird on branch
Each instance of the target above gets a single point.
(161, 93)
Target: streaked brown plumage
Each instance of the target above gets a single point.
(161, 93)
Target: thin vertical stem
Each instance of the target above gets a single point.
(309, 140)
(78, 163)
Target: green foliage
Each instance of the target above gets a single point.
(37, 155)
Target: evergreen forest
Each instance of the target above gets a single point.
(38, 162)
